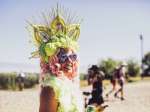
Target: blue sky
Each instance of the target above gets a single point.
(110, 28)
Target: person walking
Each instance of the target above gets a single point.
(95, 79)
(20, 81)
(121, 80)
(113, 82)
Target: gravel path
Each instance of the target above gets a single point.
(137, 100)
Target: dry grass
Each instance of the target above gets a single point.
(84, 83)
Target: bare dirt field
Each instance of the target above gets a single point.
(137, 99)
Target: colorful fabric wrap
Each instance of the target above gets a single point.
(66, 91)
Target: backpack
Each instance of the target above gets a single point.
(117, 73)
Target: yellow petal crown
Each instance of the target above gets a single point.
(58, 34)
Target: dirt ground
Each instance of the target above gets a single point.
(137, 99)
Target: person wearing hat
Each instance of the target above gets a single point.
(92, 71)
(57, 50)
(121, 80)
(95, 78)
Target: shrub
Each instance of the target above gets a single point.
(133, 68)
(9, 80)
(83, 76)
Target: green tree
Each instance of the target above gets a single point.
(108, 66)
(146, 63)
(133, 68)
(83, 76)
